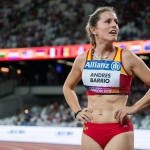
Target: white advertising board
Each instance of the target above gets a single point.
(60, 135)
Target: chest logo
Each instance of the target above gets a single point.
(115, 66)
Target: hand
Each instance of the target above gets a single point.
(84, 115)
(121, 113)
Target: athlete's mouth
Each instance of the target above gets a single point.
(114, 32)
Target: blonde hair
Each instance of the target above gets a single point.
(93, 19)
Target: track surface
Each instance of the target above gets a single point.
(35, 146)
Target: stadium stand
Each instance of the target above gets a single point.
(55, 112)
(61, 22)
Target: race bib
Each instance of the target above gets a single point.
(101, 73)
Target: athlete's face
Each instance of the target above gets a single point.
(107, 27)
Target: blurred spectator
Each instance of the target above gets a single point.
(29, 24)
(61, 22)
(59, 114)
(136, 119)
(36, 110)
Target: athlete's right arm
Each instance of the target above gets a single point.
(68, 88)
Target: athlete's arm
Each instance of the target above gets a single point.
(68, 88)
(143, 102)
(139, 68)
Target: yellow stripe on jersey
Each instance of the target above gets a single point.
(118, 58)
(89, 55)
(118, 55)
(123, 71)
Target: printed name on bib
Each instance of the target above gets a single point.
(103, 75)
(100, 77)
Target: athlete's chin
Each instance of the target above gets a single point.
(113, 39)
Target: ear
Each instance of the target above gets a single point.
(93, 30)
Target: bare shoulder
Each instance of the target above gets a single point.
(75, 74)
(129, 57)
(136, 65)
(81, 57)
(80, 60)
(128, 54)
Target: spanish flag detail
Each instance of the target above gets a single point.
(85, 128)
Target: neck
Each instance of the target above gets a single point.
(102, 50)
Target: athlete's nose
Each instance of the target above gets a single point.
(114, 25)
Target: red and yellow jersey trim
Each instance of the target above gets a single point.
(89, 54)
(117, 57)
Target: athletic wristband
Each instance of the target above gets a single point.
(75, 114)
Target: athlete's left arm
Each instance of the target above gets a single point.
(139, 68)
(143, 72)
(128, 110)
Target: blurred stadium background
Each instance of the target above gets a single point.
(39, 41)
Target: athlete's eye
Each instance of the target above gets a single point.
(116, 22)
(107, 21)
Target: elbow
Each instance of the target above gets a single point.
(147, 83)
(66, 88)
